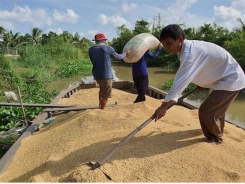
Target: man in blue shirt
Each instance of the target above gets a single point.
(100, 57)
(140, 74)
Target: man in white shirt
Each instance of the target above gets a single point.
(209, 66)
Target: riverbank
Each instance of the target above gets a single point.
(171, 150)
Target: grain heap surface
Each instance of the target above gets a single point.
(170, 150)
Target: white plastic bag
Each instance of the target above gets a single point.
(138, 45)
(11, 96)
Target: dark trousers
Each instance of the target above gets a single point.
(212, 113)
(141, 84)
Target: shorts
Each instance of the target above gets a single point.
(105, 87)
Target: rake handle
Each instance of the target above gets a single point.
(125, 139)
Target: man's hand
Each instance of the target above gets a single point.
(160, 112)
(160, 45)
(128, 52)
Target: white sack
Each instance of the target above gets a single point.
(138, 45)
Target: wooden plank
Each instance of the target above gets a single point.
(35, 105)
(75, 108)
(69, 109)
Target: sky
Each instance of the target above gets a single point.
(88, 17)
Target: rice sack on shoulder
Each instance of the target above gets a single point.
(138, 45)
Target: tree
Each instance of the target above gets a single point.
(76, 37)
(44, 39)
(36, 35)
(157, 26)
(75, 40)
(141, 26)
(10, 40)
(190, 33)
(2, 31)
(67, 37)
(25, 39)
(52, 38)
(236, 47)
(85, 44)
(243, 25)
(213, 33)
(124, 35)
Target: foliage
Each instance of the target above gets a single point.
(164, 59)
(10, 39)
(8, 80)
(84, 44)
(36, 35)
(236, 47)
(170, 82)
(124, 35)
(33, 93)
(212, 33)
(33, 70)
(157, 26)
(141, 26)
(73, 68)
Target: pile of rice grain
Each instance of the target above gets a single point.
(172, 149)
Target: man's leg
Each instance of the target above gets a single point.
(105, 91)
(103, 103)
(100, 98)
(212, 113)
(136, 85)
(141, 84)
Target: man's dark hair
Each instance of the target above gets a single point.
(173, 31)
